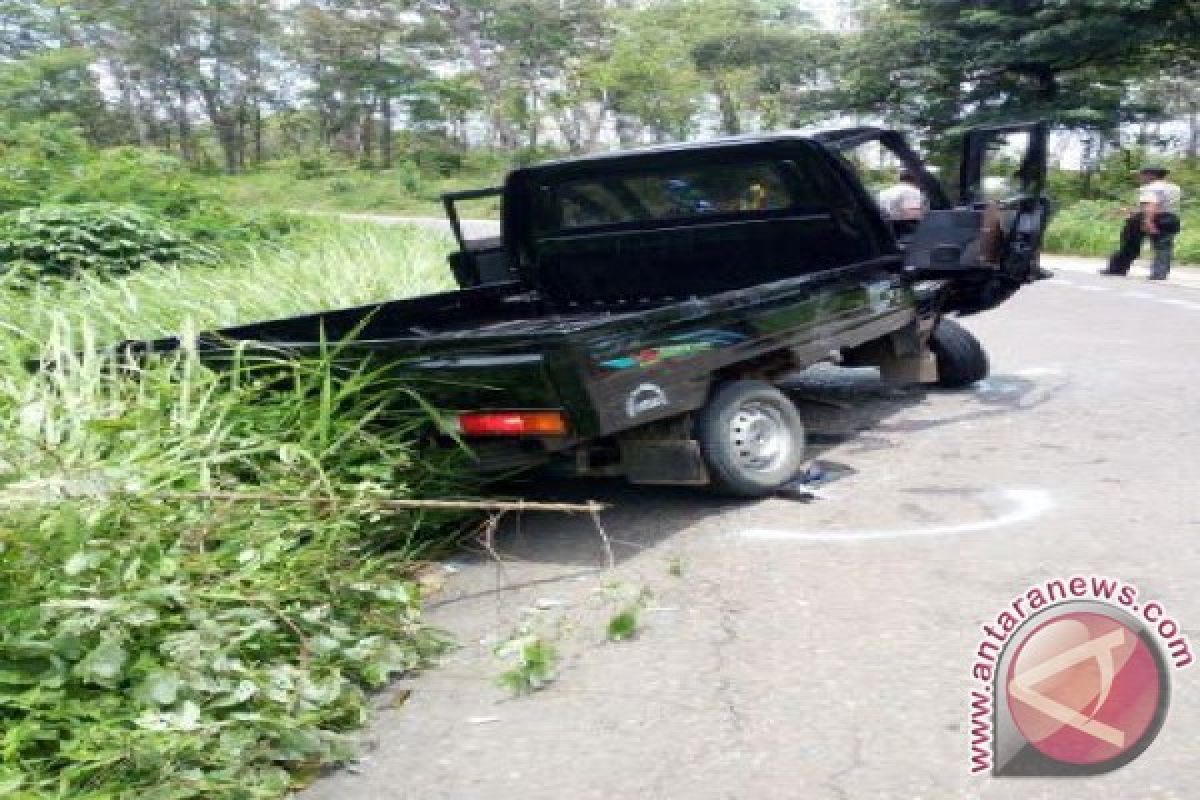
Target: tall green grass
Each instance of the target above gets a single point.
(157, 644)
(398, 191)
(1093, 228)
(339, 264)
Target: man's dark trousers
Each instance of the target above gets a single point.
(1132, 236)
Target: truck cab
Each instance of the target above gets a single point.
(698, 218)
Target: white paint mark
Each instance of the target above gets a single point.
(1139, 295)
(1094, 288)
(1059, 281)
(1022, 505)
(1033, 372)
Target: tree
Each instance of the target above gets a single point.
(649, 81)
(937, 64)
(362, 57)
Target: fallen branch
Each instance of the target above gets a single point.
(384, 504)
(498, 508)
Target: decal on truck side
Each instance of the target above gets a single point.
(678, 346)
(645, 397)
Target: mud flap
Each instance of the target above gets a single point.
(672, 462)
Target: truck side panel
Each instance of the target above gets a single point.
(663, 364)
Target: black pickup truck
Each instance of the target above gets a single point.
(637, 307)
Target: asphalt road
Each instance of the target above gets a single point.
(823, 649)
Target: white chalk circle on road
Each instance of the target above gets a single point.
(1015, 506)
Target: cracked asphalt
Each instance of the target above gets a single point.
(822, 647)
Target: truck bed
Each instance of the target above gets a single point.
(500, 346)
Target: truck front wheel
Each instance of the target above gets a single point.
(751, 438)
(961, 360)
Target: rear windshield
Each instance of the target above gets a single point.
(666, 194)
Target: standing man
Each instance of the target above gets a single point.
(905, 201)
(1156, 216)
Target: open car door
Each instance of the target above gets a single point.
(989, 244)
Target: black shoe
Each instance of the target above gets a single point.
(1112, 272)
(1156, 277)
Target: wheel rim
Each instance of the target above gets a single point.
(759, 436)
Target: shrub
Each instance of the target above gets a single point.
(98, 238)
(408, 175)
(158, 646)
(35, 155)
(1092, 228)
(433, 154)
(309, 168)
(131, 175)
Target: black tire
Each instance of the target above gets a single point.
(961, 360)
(750, 468)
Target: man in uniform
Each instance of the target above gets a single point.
(1156, 216)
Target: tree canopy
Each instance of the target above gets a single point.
(242, 79)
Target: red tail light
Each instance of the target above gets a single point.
(512, 423)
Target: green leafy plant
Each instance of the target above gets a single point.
(97, 238)
(534, 663)
(152, 640)
(141, 176)
(309, 168)
(158, 644)
(625, 624)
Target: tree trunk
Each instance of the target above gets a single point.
(385, 135)
(1193, 145)
(183, 124)
(568, 126)
(129, 104)
(489, 79)
(224, 125)
(534, 126)
(595, 126)
(258, 132)
(366, 135)
(239, 129)
(731, 124)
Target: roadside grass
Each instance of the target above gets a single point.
(398, 191)
(1091, 228)
(335, 264)
(158, 641)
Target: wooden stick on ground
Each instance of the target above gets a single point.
(497, 508)
(386, 504)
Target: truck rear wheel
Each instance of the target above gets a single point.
(961, 360)
(751, 438)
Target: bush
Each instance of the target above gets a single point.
(34, 156)
(165, 186)
(96, 238)
(1092, 228)
(334, 265)
(148, 178)
(159, 646)
(309, 168)
(408, 175)
(433, 154)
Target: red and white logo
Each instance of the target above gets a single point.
(1072, 677)
(1084, 688)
